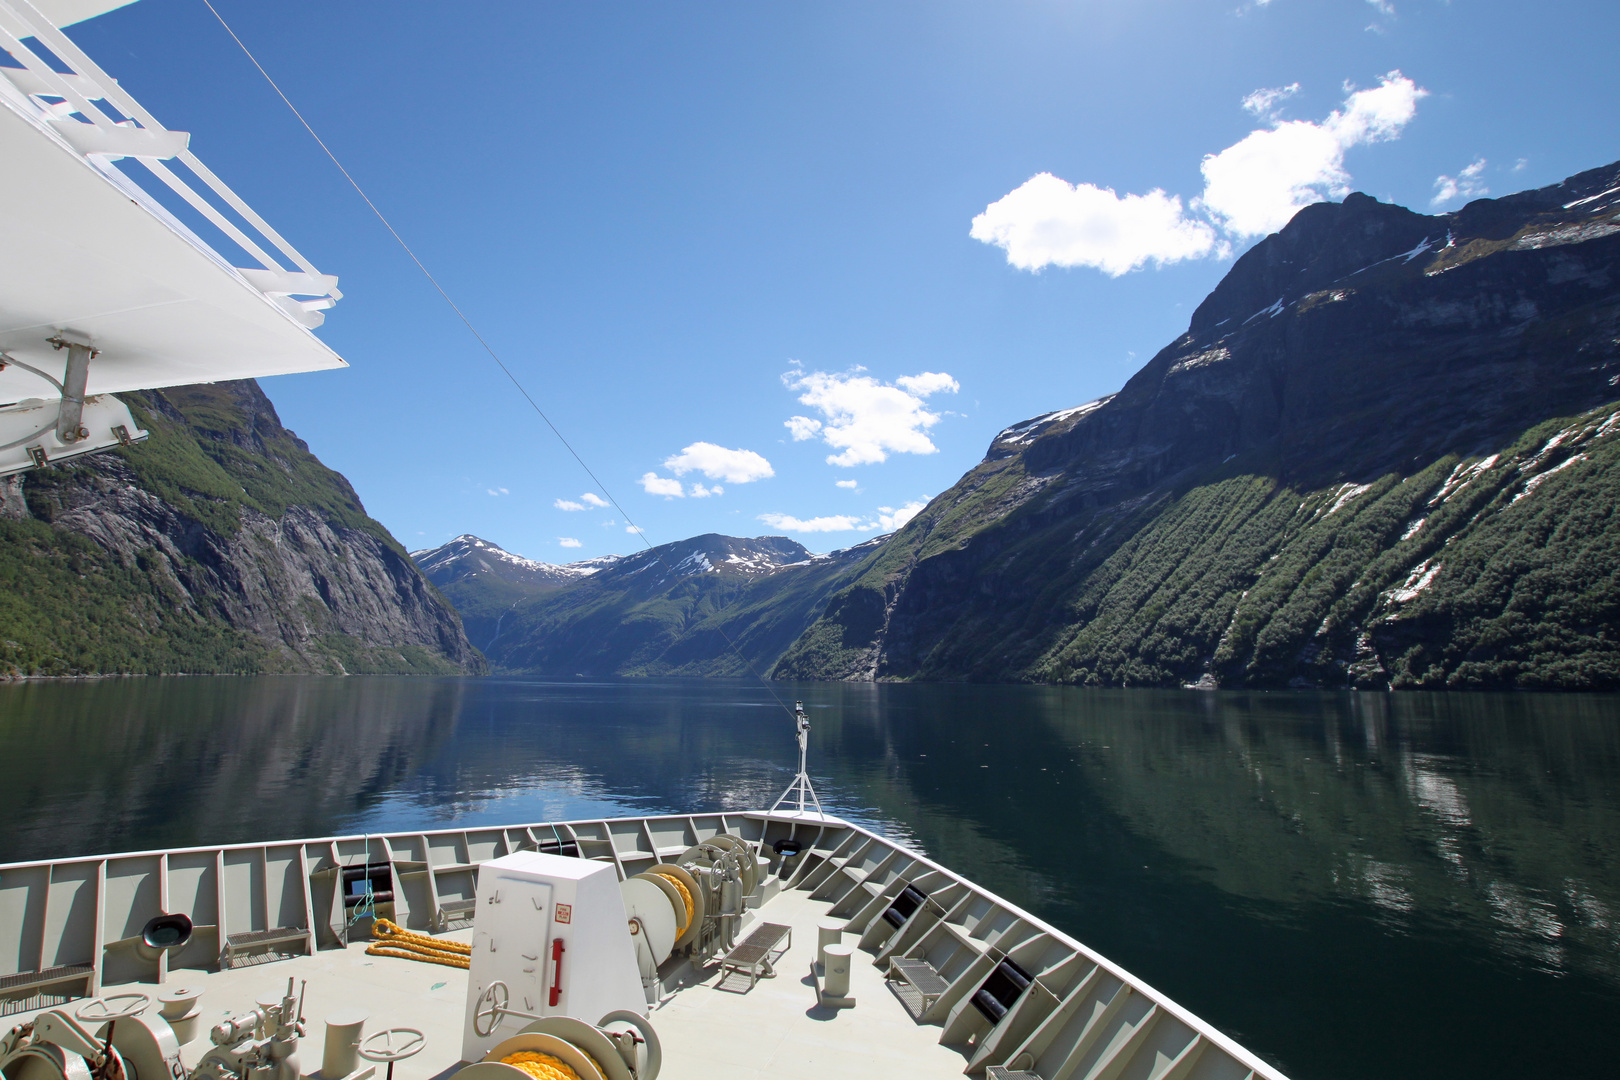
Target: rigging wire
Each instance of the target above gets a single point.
(482, 341)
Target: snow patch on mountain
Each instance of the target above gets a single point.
(1029, 429)
(469, 551)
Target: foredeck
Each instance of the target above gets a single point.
(947, 978)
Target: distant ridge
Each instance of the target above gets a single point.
(664, 611)
(485, 581)
(468, 555)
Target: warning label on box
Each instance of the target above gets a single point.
(565, 913)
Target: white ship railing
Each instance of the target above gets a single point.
(94, 117)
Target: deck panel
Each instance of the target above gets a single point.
(70, 930)
(22, 914)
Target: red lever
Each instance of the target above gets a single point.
(556, 971)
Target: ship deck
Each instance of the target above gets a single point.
(1066, 1012)
(714, 1029)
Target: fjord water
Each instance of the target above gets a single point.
(1353, 885)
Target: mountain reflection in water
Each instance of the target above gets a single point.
(1353, 884)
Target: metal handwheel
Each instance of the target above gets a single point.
(103, 1010)
(490, 1008)
(395, 1044)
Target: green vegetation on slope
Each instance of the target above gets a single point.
(1498, 572)
(72, 606)
(69, 608)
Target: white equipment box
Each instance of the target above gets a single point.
(554, 931)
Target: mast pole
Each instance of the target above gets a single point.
(801, 786)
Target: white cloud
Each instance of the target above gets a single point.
(653, 484)
(1251, 188)
(802, 427)
(634, 530)
(568, 504)
(586, 501)
(1047, 221)
(846, 483)
(867, 420)
(1263, 103)
(701, 492)
(497, 491)
(1383, 7)
(887, 519)
(568, 542)
(1257, 184)
(929, 382)
(835, 523)
(718, 463)
(1466, 184)
(890, 519)
(1518, 166)
(590, 499)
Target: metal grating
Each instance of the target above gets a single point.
(249, 938)
(32, 985)
(24, 979)
(920, 974)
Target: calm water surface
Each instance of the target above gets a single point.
(1354, 885)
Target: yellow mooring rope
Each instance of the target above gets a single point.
(685, 897)
(395, 940)
(540, 1066)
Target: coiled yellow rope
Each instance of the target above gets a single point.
(395, 940)
(540, 1066)
(395, 932)
(686, 897)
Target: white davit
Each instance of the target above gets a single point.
(103, 288)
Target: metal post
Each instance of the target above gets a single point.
(70, 417)
(801, 785)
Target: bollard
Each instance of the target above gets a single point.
(835, 975)
(828, 932)
(341, 1056)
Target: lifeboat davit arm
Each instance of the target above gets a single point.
(37, 431)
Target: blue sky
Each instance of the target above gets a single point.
(731, 248)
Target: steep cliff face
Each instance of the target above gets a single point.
(220, 544)
(1378, 456)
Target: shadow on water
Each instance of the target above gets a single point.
(1354, 885)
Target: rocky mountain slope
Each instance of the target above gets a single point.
(1383, 454)
(666, 611)
(221, 544)
(485, 582)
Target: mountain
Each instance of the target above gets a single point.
(485, 582)
(1384, 453)
(220, 544)
(670, 610)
